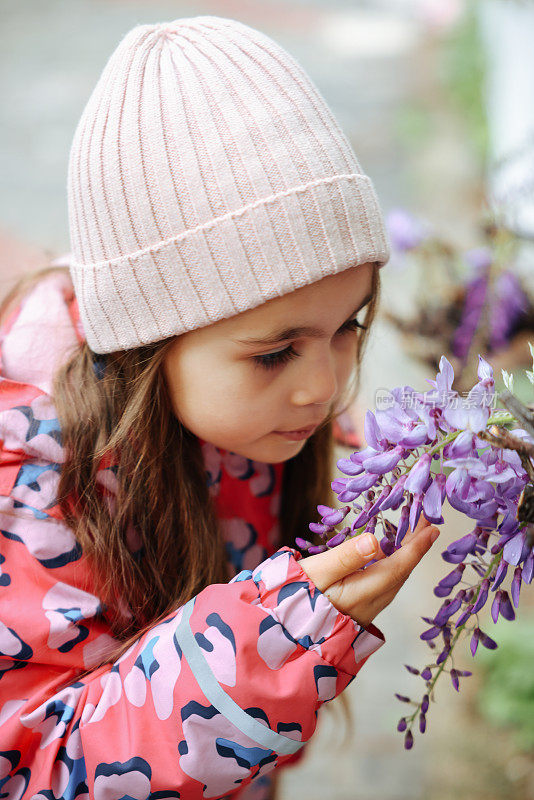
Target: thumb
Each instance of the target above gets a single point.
(333, 565)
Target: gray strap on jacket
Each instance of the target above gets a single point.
(216, 695)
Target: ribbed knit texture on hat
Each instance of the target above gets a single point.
(206, 176)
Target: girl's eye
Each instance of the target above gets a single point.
(352, 325)
(276, 359)
(271, 360)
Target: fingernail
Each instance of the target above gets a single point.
(365, 545)
(434, 535)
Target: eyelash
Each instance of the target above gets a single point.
(272, 360)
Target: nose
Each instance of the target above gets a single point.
(317, 382)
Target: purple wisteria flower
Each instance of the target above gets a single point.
(504, 299)
(405, 231)
(508, 304)
(425, 449)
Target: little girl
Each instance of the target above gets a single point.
(166, 408)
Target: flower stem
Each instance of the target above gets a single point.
(431, 684)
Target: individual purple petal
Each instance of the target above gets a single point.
(442, 591)
(338, 538)
(464, 616)
(422, 722)
(348, 467)
(480, 490)
(457, 483)
(445, 377)
(513, 549)
(402, 698)
(450, 580)
(515, 587)
(412, 670)
(485, 370)
(482, 596)
(373, 434)
(500, 575)
(505, 607)
(461, 446)
(361, 482)
(426, 674)
(415, 510)
(418, 475)
(338, 486)
(402, 526)
(469, 413)
(371, 525)
(408, 740)
(434, 497)
(463, 546)
(528, 568)
(431, 633)
(475, 638)
(443, 655)
(455, 680)
(396, 496)
(316, 548)
(359, 456)
(387, 546)
(449, 608)
(487, 641)
(383, 462)
(319, 527)
(302, 544)
(402, 725)
(415, 438)
(347, 497)
(495, 606)
(336, 516)
(452, 558)
(324, 510)
(362, 518)
(391, 428)
(382, 497)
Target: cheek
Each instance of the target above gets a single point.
(210, 394)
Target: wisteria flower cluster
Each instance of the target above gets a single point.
(425, 449)
(474, 300)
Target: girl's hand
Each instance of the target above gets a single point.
(364, 593)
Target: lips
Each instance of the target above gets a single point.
(301, 430)
(302, 433)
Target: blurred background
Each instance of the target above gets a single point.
(436, 97)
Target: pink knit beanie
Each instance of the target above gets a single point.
(206, 176)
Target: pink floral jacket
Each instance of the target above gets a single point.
(208, 701)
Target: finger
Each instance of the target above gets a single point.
(379, 582)
(421, 525)
(334, 565)
(397, 567)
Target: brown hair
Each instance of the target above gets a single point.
(119, 404)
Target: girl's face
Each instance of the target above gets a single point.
(246, 383)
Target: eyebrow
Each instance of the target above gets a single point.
(285, 334)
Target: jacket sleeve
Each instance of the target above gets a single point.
(221, 691)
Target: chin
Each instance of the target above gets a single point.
(279, 452)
